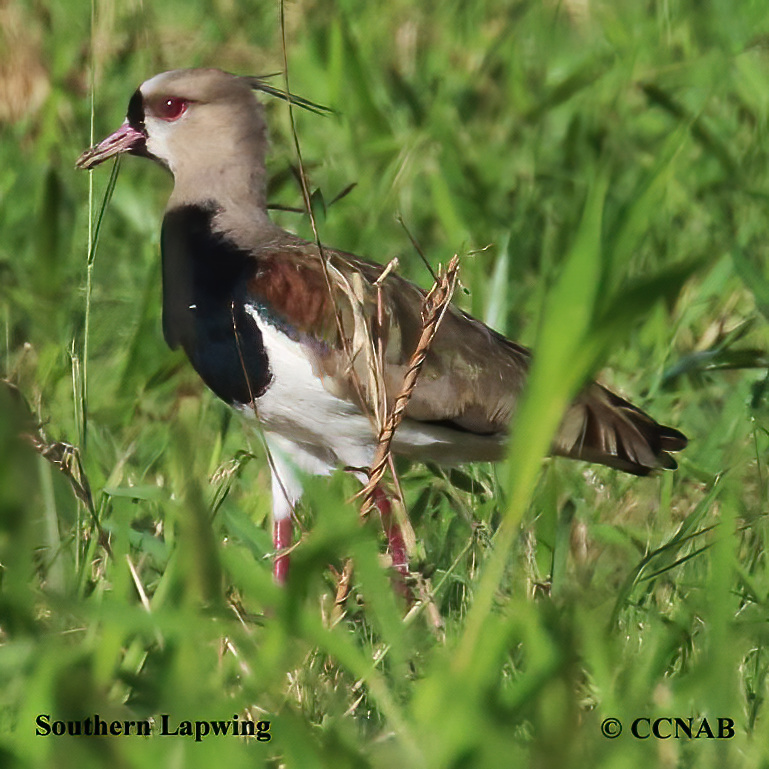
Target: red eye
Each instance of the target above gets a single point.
(170, 107)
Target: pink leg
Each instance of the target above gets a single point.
(282, 534)
(395, 543)
(394, 536)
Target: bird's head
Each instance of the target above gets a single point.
(192, 118)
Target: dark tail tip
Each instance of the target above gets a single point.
(672, 439)
(602, 427)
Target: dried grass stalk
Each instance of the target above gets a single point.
(434, 308)
(64, 456)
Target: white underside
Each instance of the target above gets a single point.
(310, 431)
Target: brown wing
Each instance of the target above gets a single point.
(472, 376)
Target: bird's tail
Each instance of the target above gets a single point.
(604, 428)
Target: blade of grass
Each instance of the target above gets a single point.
(556, 373)
(93, 241)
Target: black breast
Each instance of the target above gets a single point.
(204, 295)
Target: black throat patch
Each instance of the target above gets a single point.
(204, 298)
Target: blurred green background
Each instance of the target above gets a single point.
(613, 157)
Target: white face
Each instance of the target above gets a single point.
(159, 140)
(164, 115)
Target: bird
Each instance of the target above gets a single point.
(278, 326)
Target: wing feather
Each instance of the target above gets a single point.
(472, 377)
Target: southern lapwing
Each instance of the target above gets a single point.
(270, 328)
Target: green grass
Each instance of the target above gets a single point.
(614, 160)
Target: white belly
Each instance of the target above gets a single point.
(297, 407)
(312, 431)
